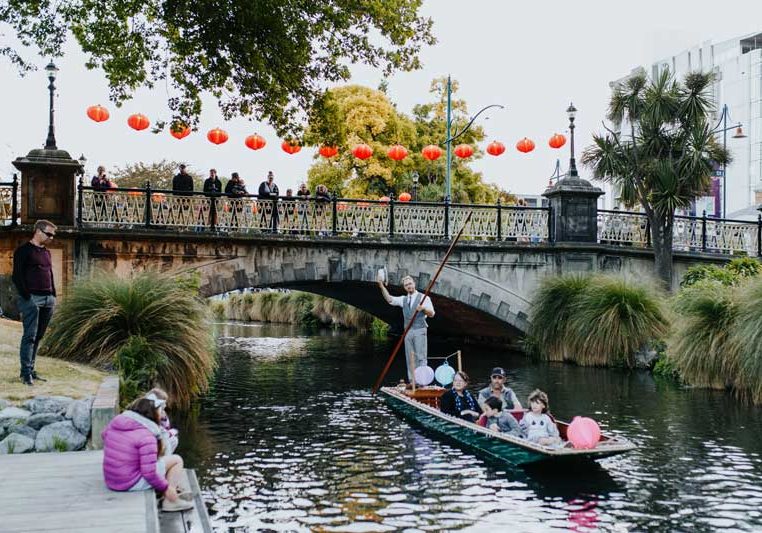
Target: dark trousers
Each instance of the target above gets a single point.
(35, 316)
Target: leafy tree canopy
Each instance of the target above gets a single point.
(265, 60)
(159, 173)
(353, 114)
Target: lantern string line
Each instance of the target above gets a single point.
(446, 357)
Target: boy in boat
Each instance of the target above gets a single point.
(496, 419)
(416, 342)
(497, 389)
(537, 424)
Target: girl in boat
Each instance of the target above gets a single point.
(458, 401)
(537, 424)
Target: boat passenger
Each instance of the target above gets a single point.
(133, 461)
(496, 419)
(458, 401)
(498, 389)
(537, 424)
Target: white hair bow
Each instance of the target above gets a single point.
(157, 402)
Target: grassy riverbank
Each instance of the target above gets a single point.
(64, 378)
(296, 307)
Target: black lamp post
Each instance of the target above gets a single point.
(722, 126)
(572, 112)
(52, 70)
(82, 163)
(415, 186)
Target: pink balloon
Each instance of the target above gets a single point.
(583, 433)
(424, 375)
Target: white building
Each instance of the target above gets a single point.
(737, 64)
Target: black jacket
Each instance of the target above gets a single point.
(32, 264)
(447, 404)
(182, 183)
(266, 190)
(212, 185)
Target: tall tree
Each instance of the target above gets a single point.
(353, 114)
(266, 60)
(661, 152)
(159, 173)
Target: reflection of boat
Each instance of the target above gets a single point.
(421, 408)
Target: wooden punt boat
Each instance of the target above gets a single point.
(421, 407)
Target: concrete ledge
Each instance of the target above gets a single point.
(105, 407)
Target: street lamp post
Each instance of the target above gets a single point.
(722, 126)
(572, 113)
(415, 186)
(52, 70)
(450, 137)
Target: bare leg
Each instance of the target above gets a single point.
(174, 470)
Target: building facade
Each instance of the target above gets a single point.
(737, 64)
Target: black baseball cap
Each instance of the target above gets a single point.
(498, 371)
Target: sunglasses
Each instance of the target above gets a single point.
(50, 235)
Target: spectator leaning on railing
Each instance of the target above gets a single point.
(182, 183)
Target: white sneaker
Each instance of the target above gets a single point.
(179, 505)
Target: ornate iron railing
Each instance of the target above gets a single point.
(198, 211)
(690, 234)
(9, 202)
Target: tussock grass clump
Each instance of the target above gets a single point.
(595, 320)
(99, 317)
(747, 337)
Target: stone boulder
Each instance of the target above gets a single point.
(48, 404)
(79, 414)
(15, 443)
(60, 436)
(4, 404)
(11, 416)
(38, 420)
(23, 430)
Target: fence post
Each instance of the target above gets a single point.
(334, 214)
(391, 215)
(274, 217)
(551, 229)
(648, 233)
(14, 200)
(80, 200)
(703, 231)
(499, 221)
(213, 211)
(447, 218)
(148, 204)
(759, 235)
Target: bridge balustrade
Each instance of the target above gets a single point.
(10, 200)
(198, 211)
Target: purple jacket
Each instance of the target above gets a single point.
(130, 452)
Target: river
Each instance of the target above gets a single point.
(290, 439)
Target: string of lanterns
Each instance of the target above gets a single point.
(361, 151)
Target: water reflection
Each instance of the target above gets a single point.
(289, 439)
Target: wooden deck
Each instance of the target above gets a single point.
(65, 492)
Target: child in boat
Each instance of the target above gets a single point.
(169, 435)
(496, 419)
(537, 424)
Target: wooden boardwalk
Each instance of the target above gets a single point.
(65, 492)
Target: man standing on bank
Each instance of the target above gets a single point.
(33, 278)
(416, 341)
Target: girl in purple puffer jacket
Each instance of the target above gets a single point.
(132, 448)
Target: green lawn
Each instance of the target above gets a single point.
(66, 379)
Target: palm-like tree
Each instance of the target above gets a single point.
(661, 152)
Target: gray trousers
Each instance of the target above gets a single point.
(417, 349)
(35, 316)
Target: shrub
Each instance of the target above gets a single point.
(551, 313)
(139, 366)
(379, 329)
(218, 309)
(714, 273)
(99, 317)
(745, 267)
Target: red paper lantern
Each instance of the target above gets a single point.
(432, 152)
(179, 131)
(98, 113)
(397, 152)
(384, 199)
(290, 148)
(525, 145)
(495, 148)
(158, 197)
(134, 192)
(464, 151)
(217, 136)
(138, 121)
(557, 141)
(328, 151)
(405, 197)
(362, 151)
(255, 142)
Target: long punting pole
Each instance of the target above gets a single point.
(425, 295)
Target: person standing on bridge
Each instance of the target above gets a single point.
(182, 182)
(268, 190)
(416, 340)
(33, 278)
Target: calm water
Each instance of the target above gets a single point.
(290, 439)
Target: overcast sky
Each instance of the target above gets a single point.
(533, 59)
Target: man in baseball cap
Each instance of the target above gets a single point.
(497, 388)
